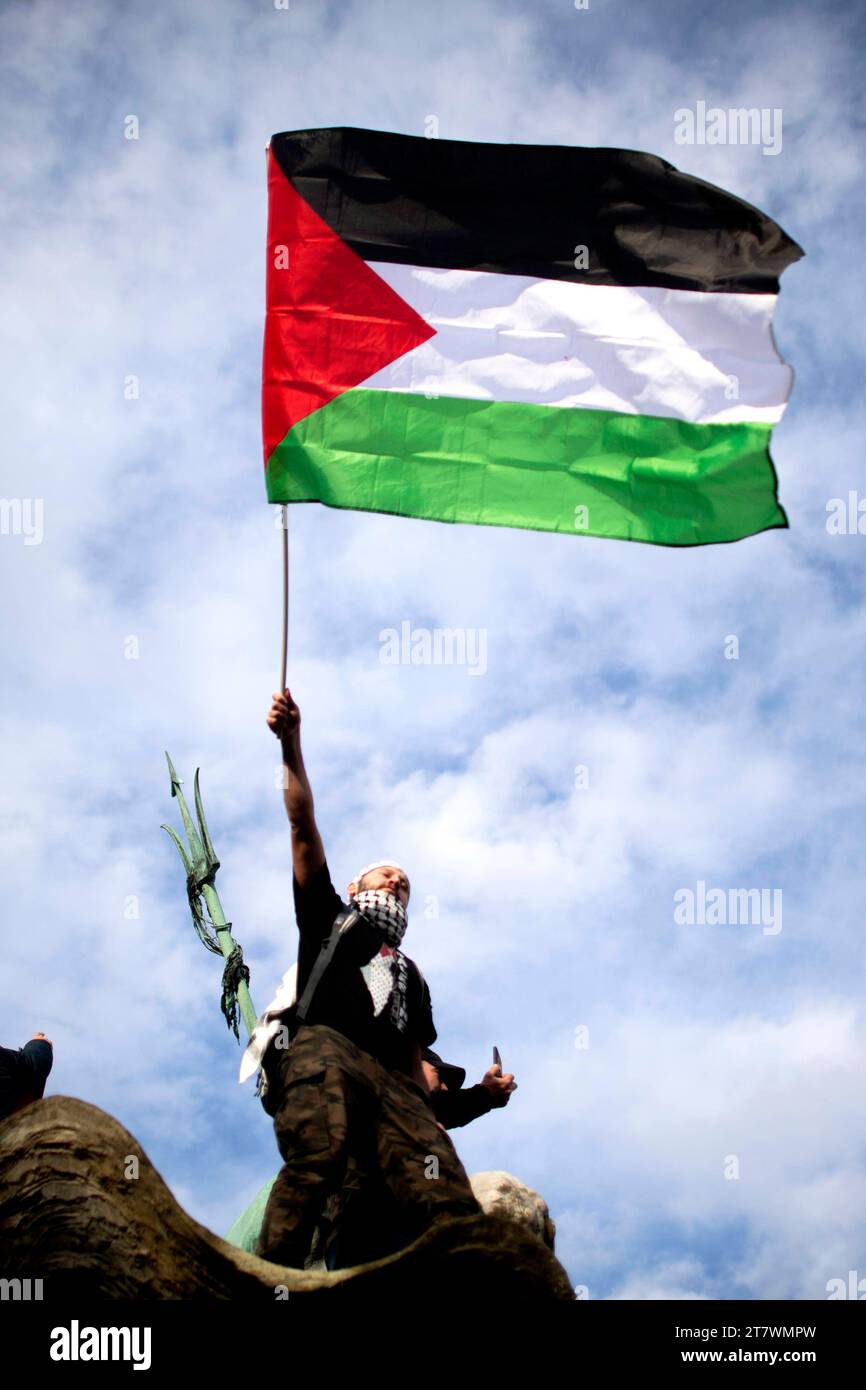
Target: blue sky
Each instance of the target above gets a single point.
(145, 258)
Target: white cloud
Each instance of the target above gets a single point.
(146, 258)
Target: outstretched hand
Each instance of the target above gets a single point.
(284, 717)
(499, 1086)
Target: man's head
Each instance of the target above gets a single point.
(384, 875)
(381, 892)
(441, 1076)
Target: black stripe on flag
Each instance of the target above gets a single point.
(528, 209)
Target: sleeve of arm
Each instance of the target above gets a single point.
(456, 1108)
(316, 905)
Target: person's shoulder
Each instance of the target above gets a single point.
(317, 901)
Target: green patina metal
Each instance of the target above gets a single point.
(213, 928)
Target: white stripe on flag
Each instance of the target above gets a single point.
(705, 358)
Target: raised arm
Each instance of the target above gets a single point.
(308, 854)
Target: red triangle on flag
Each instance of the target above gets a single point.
(331, 321)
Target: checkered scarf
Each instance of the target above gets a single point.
(387, 974)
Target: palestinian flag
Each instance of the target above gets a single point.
(574, 340)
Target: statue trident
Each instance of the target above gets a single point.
(201, 865)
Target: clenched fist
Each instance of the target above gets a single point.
(284, 717)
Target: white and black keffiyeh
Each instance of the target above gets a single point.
(399, 1010)
(387, 974)
(384, 909)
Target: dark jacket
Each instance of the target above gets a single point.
(23, 1074)
(455, 1108)
(457, 1105)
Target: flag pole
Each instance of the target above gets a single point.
(284, 660)
(285, 657)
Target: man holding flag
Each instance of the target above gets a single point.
(563, 339)
(349, 1094)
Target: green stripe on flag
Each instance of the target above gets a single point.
(504, 463)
